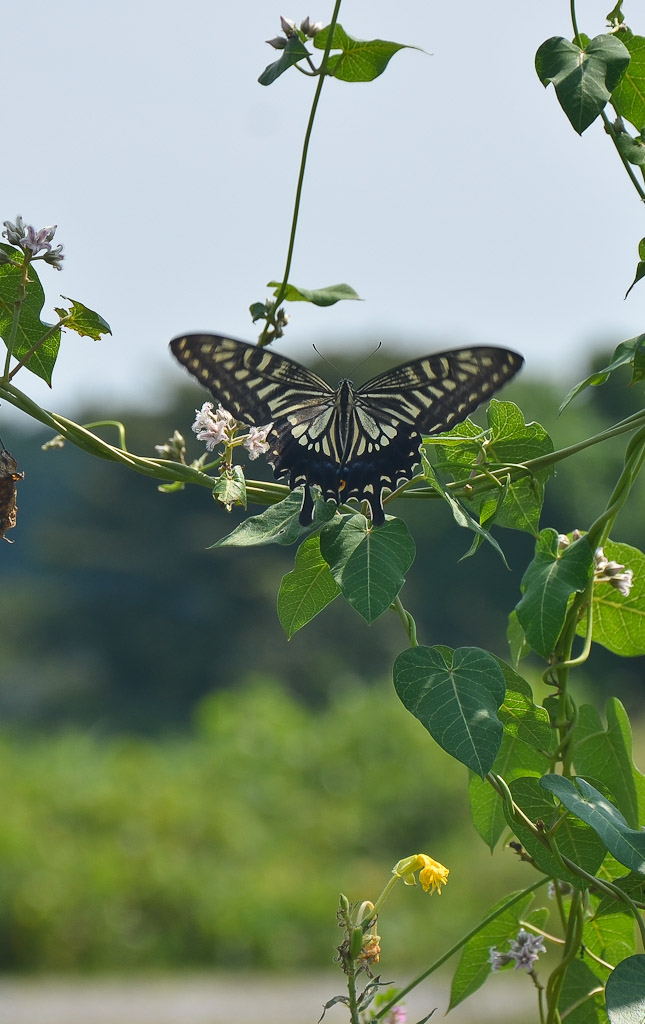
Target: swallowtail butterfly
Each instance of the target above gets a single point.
(8, 480)
(349, 442)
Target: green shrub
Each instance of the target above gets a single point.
(226, 848)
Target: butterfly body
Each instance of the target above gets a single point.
(350, 442)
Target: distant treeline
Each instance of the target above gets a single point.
(114, 615)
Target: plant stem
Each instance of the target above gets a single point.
(574, 22)
(458, 945)
(611, 132)
(301, 174)
(409, 624)
(353, 1002)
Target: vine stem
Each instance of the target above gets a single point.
(457, 946)
(611, 132)
(409, 624)
(301, 174)
(574, 22)
(353, 1002)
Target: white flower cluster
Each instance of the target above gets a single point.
(218, 427)
(613, 573)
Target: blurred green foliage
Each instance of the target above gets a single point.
(229, 849)
(115, 616)
(179, 812)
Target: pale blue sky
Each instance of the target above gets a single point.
(451, 193)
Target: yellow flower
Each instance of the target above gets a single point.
(432, 874)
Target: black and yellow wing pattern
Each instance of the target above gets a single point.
(350, 442)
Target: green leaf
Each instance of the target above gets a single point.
(609, 933)
(606, 755)
(509, 441)
(625, 991)
(527, 740)
(576, 840)
(361, 60)
(30, 328)
(619, 620)
(368, 564)
(516, 639)
(230, 489)
(278, 524)
(460, 515)
(258, 311)
(583, 79)
(633, 884)
(629, 95)
(547, 584)
(576, 1003)
(328, 296)
(307, 589)
(474, 964)
(455, 695)
(293, 52)
(84, 320)
(513, 441)
(638, 276)
(625, 354)
(626, 844)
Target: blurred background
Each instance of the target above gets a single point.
(184, 790)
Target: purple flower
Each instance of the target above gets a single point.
(27, 238)
(524, 951)
(37, 241)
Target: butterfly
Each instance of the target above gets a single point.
(8, 479)
(350, 442)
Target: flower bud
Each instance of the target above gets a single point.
(288, 26)
(310, 28)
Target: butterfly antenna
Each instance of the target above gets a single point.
(325, 359)
(365, 358)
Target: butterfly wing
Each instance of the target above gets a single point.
(351, 444)
(261, 387)
(255, 385)
(424, 396)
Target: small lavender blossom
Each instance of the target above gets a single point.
(212, 428)
(524, 951)
(38, 241)
(55, 257)
(14, 233)
(278, 42)
(256, 443)
(310, 28)
(606, 571)
(28, 238)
